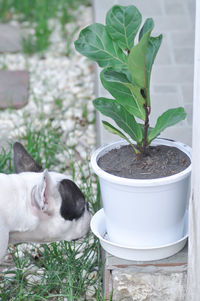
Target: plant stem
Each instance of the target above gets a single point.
(146, 124)
(146, 127)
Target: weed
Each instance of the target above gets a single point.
(59, 103)
(69, 40)
(43, 144)
(6, 164)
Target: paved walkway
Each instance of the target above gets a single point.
(13, 84)
(10, 38)
(13, 89)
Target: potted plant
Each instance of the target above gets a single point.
(145, 181)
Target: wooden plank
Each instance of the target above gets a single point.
(193, 283)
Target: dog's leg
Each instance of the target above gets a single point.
(4, 236)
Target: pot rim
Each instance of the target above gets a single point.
(141, 182)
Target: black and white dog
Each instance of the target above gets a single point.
(39, 206)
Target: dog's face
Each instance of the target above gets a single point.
(57, 202)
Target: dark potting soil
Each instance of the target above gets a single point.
(160, 161)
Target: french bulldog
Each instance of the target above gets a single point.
(39, 206)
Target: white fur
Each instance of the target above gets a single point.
(24, 215)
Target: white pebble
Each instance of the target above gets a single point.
(67, 125)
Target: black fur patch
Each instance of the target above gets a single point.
(73, 201)
(23, 161)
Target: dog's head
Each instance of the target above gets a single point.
(57, 201)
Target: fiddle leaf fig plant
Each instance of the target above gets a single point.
(126, 73)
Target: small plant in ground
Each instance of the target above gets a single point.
(6, 160)
(43, 144)
(39, 41)
(126, 74)
(57, 270)
(69, 39)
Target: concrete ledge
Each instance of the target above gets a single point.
(149, 281)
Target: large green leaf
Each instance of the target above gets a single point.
(152, 49)
(121, 116)
(167, 119)
(124, 92)
(148, 25)
(141, 60)
(122, 24)
(109, 127)
(137, 61)
(95, 43)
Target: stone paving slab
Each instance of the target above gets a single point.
(152, 285)
(10, 38)
(13, 89)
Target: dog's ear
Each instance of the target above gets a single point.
(23, 160)
(43, 193)
(73, 201)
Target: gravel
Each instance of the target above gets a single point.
(61, 88)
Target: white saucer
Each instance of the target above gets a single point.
(134, 253)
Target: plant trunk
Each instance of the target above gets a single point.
(146, 127)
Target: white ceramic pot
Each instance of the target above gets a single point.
(144, 212)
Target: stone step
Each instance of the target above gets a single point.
(146, 281)
(13, 89)
(10, 38)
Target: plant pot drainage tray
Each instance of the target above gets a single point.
(135, 253)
